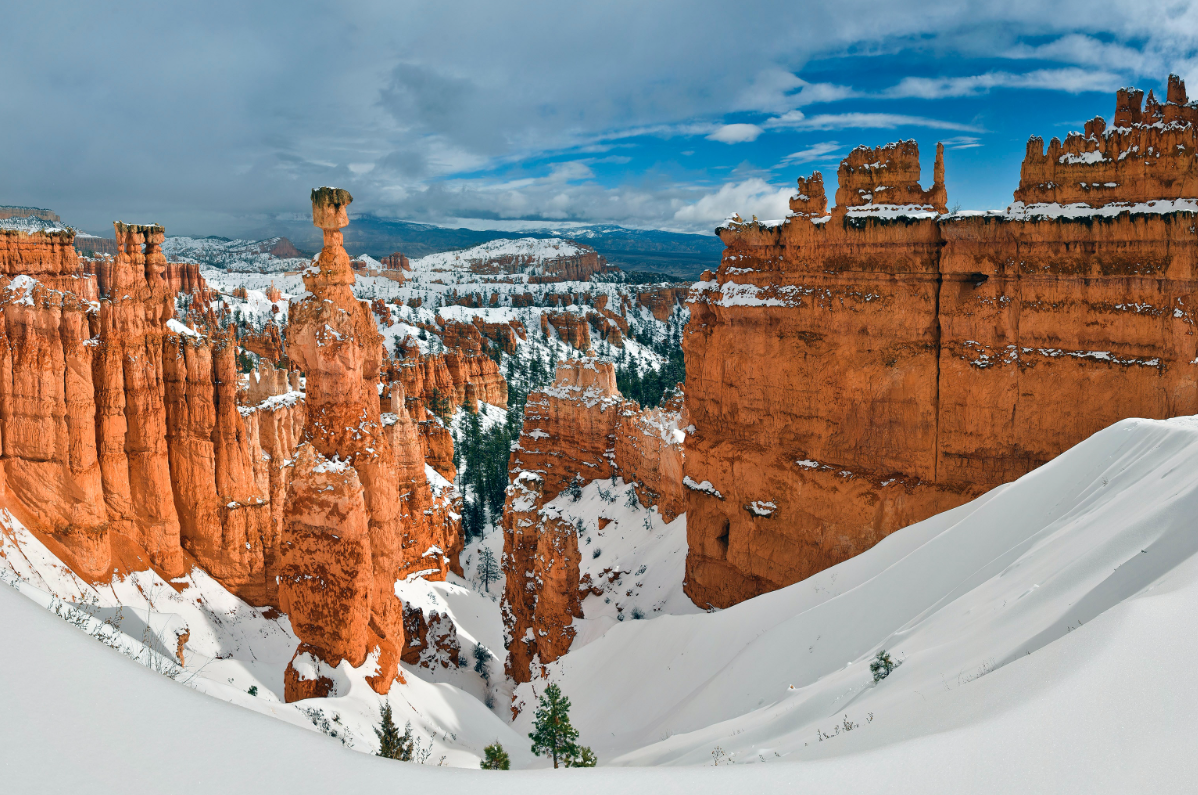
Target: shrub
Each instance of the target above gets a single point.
(882, 665)
(495, 758)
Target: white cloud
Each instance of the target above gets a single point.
(814, 152)
(1072, 80)
(736, 133)
(751, 197)
(778, 90)
(795, 120)
(961, 142)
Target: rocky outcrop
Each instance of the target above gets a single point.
(847, 376)
(541, 561)
(464, 337)
(1147, 155)
(432, 639)
(649, 454)
(569, 428)
(446, 378)
(571, 328)
(267, 343)
(342, 536)
(506, 335)
(123, 437)
(48, 257)
(581, 429)
(887, 175)
(662, 300)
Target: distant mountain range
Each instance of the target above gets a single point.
(682, 256)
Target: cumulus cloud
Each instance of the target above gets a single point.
(751, 197)
(736, 133)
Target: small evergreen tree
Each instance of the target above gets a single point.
(552, 733)
(488, 569)
(584, 758)
(882, 665)
(392, 744)
(575, 488)
(632, 501)
(482, 655)
(495, 758)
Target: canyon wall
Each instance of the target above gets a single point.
(852, 373)
(579, 429)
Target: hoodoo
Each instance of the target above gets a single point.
(852, 373)
(349, 532)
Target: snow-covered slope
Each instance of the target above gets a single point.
(1047, 633)
(970, 596)
(528, 252)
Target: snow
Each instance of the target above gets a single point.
(31, 223)
(529, 252)
(179, 328)
(1035, 212)
(1045, 630)
(231, 255)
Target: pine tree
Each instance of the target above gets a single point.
(482, 655)
(495, 758)
(488, 569)
(392, 744)
(552, 733)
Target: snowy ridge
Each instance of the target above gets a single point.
(526, 251)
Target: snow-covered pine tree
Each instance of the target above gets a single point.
(882, 665)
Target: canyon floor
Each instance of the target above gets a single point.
(1036, 629)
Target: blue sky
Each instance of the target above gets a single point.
(216, 119)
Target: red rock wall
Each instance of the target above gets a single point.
(122, 438)
(649, 454)
(852, 375)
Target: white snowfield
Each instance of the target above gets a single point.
(1046, 634)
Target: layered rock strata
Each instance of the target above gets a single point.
(852, 374)
(348, 532)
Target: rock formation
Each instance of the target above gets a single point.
(343, 531)
(579, 428)
(662, 300)
(570, 327)
(847, 376)
(123, 438)
(649, 454)
(1147, 155)
(541, 561)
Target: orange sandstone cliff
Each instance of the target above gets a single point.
(851, 374)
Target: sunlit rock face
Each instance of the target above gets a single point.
(852, 373)
(123, 436)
